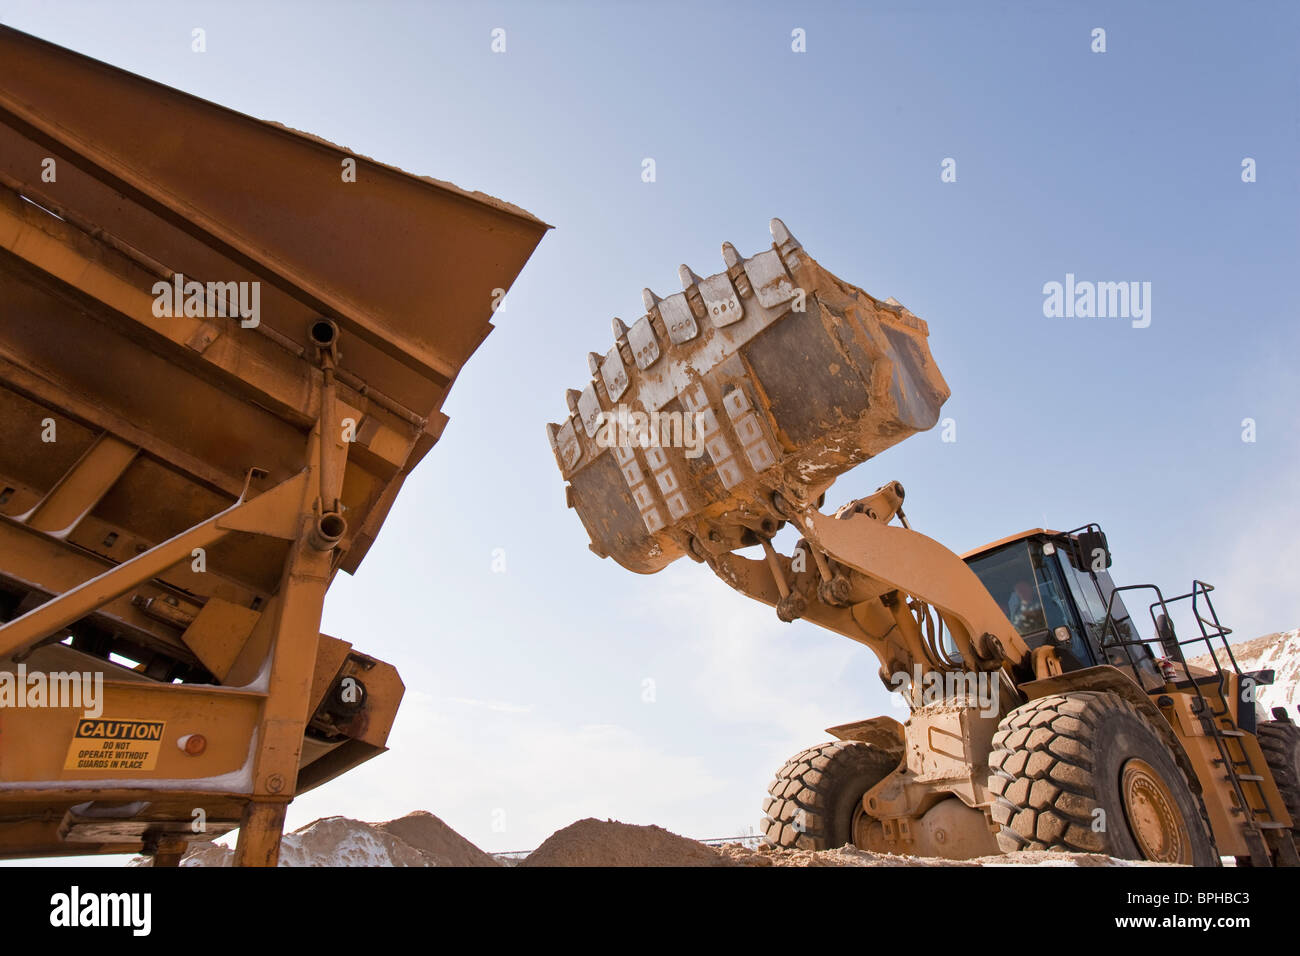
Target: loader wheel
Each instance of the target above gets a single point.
(1085, 773)
(1280, 742)
(817, 795)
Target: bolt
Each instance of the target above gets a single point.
(835, 592)
(791, 607)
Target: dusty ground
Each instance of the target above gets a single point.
(421, 839)
(851, 856)
(609, 843)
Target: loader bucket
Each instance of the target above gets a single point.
(726, 403)
(224, 346)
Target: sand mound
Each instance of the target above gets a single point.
(430, 835)
(418, 839)
(593, 842)
(339, 841)
(199, 854)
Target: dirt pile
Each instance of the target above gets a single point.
(431, 836)
(339, 841)
(417, 839)
(594, 842)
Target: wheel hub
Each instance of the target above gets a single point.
(1153, 815)
(861, 827)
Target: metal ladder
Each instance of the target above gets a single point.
(1254, 818)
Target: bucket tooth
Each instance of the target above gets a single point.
(571, 398)
(552, 430)
(620, 330)
(650, 300)
(780, 234)
(691, 286)
(787, 246)
(593, 362)
(736, 269)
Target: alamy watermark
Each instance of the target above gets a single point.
(242, 300)
(978, 688)
(1102, 300)
(623, 427)
(73, 909)
(21, 688)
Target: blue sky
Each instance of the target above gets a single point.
(525, 704)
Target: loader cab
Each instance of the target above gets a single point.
(1054, 588)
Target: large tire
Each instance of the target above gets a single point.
(812, 802)
(1059, 759)
(1280, 742)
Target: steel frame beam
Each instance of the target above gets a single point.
(274, 513)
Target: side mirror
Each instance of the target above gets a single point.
(1091, 552)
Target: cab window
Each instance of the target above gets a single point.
(1020, 578)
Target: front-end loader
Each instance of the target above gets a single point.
(1040, 717)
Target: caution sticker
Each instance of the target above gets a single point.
(115, 744)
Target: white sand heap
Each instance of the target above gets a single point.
(417, 839)
(1279, 653)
